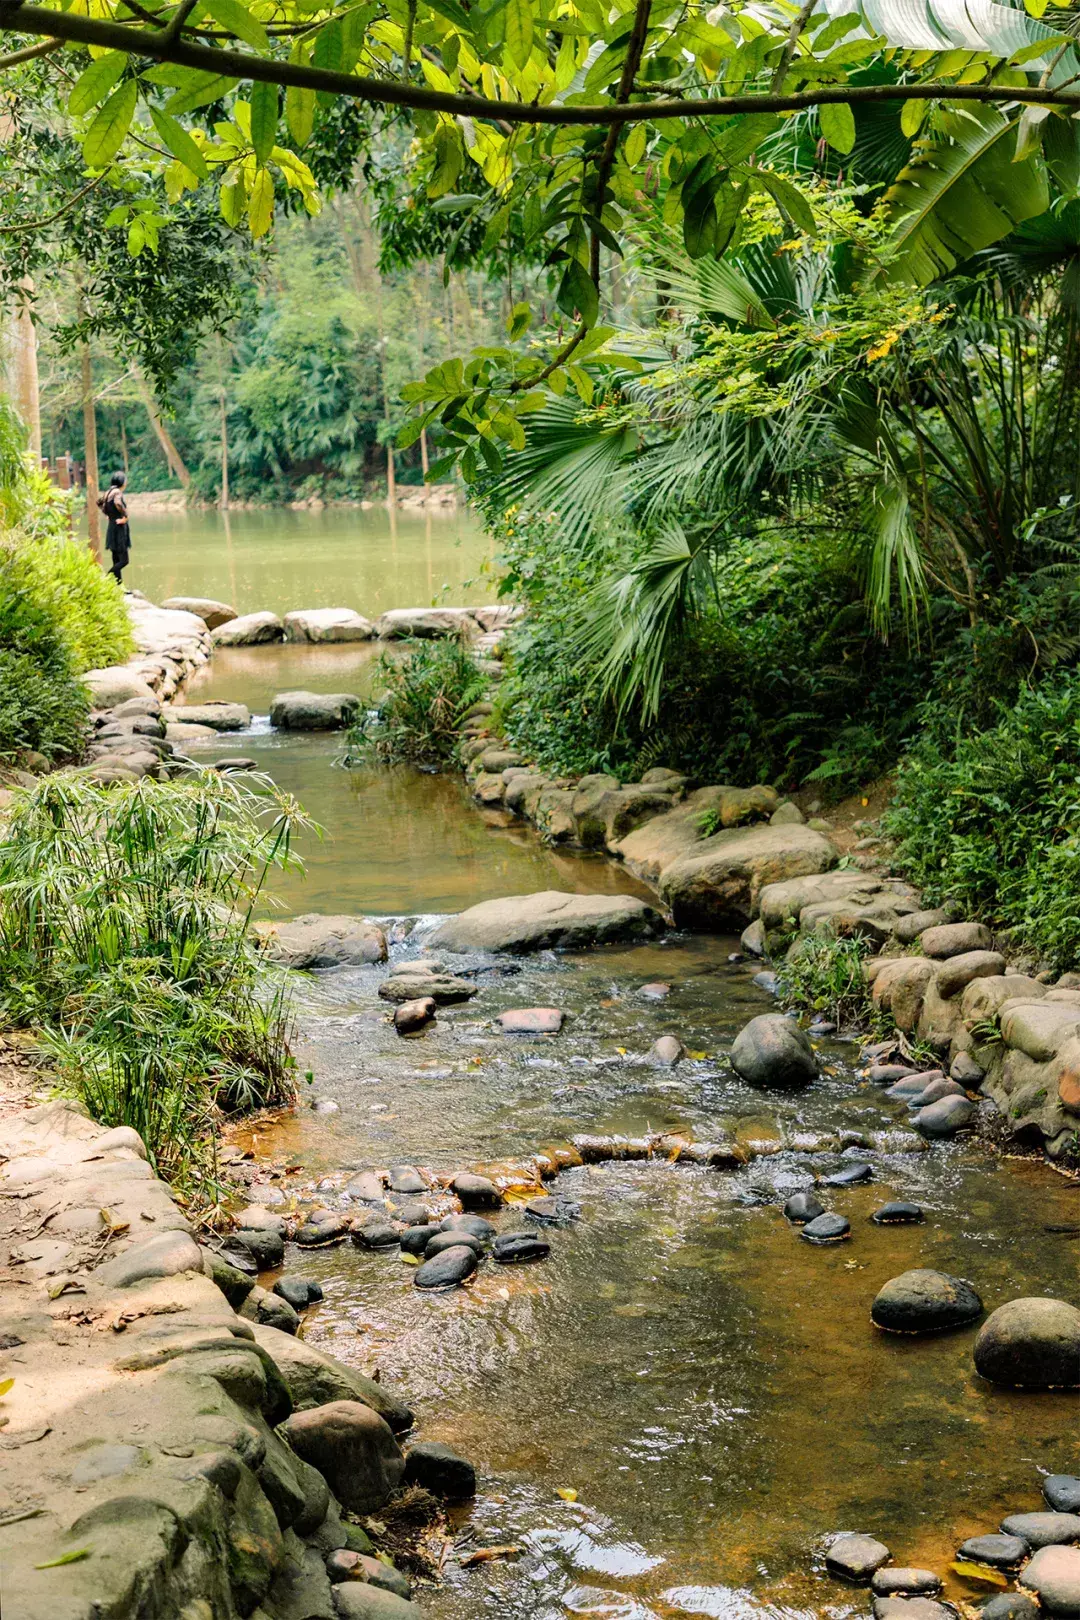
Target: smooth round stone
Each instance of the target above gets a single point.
(1043, 1529)
(894, 1582)
(476, 1192)
(910, 1608)
(475, 1224)
(937, 1089)
(553, 1211)
(855, 1557)
(666, 1052)
(1008, 1606)
(448, 1240)
(323, 1105)
(772, 1050)
(266, 1248)
(330, 1230)
(1054, 1574)
(914, 1085)
(1031, 1344)
(296, 1292)
(897, 1214)
(850, 1176)
(411, 1214)
(376, 1235)
(1000, 1552)
(924, 1301)
(946, 1117)
(520, 1248)
(441, 1470)
(447, 1269)
(1062, 1491)
(802, 1207)
(826, 1229)
(405, 1178)
(415, 1239)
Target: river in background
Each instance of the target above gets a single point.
(704, 1388)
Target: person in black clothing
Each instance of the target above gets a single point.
(118, 538)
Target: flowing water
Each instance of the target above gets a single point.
(705, 1386)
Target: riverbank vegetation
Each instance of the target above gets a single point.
(125, 933)
(420, 702)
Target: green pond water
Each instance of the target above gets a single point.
(708, 1384)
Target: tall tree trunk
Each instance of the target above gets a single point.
(423, 452)
(224, 417)
(173, 458)
(365, 274)
(24, 371)
(124, 449)
(93, 516)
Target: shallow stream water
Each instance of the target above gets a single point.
(705, 1384)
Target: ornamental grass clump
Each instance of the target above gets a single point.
(125, 940)
(423, 699)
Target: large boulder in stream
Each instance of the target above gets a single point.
(546, 921)
(327, 624)
(354, 1450)
(314, 1378)
(313, 941)
(1031, 1344)
(716, 888)
(773, 1051)
(249, 630)
(431, 621)
(650, 849)
(213, 614)
(314, 711)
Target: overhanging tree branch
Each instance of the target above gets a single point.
(157, 46)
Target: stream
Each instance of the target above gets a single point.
(705, 1386)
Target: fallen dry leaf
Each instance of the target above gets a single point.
(484, 1555)
(567, 1493)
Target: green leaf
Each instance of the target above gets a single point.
(76, 1556)
(264, 119)
(960, 193)
(237, 19)
(837, 123)
(91, 87)
(789, 198)
(577, 293)
(700, 220)
(232, 199)
(136, 238)
(201, 89)
(106, 134)
(300, 113)
(636, 142)
(1061, 149)
(261, 203)
(116, 216)
(179, 142)
(729, 212)
(519, 321)
(912, 115)
(519, 30)
(448, 160)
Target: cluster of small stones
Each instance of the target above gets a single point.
(1034, 1553)
(167, 1444)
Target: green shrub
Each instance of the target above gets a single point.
(85, 601)
(992, 822)
(825, 976)
(124, 932)
(422, 700)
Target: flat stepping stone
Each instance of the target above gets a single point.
(553, 1211)
(445, 989)
(1043, 1529)
(802, 1207)
(1000, 1552)
(531, 1021)
(925, 1301)
(476, 1192)
(892, 1581)
(439, 1241)
(910, 1608)
(520, 1248)
(405, 1178)
(850, 1176)
(855, 1557)
(1054, 1574)
(447, 1269)
(826, 1229)
(897, 1214)
(376, 1235)
(1062, 1491)
(469, 1223)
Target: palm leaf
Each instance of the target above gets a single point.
(568, 467)
(969, 25)
(960, 192)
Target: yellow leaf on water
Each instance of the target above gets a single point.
(697, 1056)
(410, 1259)
(6, 1385)
(621, 1051)
(980, 1572)
(567, 1493)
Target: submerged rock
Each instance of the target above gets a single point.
(520, 1248)
(666, 1052)
(897, 1214)
(850, 1176)
(1008, 1606)
(826, 1229)
(1031, 1344)
(925, 1301)
(910, 1608)
(447, 1269)
(773, 1051)
(531, 1021)
(855, 1557)
(548, 920)
(802, 1207)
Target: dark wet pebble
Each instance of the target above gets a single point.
(1000, 1552)
(265, 1247)
(1043, 1529)
(553, 1211)
(329, 1230)
(850, 1176)
(376, 1235)
(411, 1214)
(892, 1581)
(405, 1178)
(439, 1241)
(1008, 1606)
(475, 1224)
(826, 1229)
(476, 1192)
(415, 1239)
(440, 1470)
(242, 1258)
(1062, 1491)
(855, 1557)
(448, 1269)
(897, 1214)
(925, 1301)
(520, 1248)
(910, 1608)
(887, 1074)
(297, 1292)
(802, 1207)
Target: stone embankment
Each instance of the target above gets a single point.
(164, 1449)
(723, 858)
